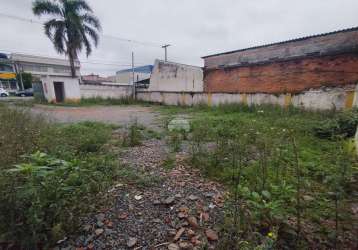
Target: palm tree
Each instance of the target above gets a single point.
(71, 27)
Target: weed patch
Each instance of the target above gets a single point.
(20, 133)
(343, 125)
(51, 176)
(133, 136)
(169, 162)
(285, 178)
(101, 101)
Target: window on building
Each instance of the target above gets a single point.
(6, 68)
(61, 69)
(34, 68)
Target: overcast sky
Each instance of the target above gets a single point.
(195, 28)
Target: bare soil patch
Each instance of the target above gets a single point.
(180, 210)
(119, 115)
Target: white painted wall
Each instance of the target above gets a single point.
(38, 65)
(71, 88)
(333, 98)
(127, 77)
(168, 76)
(322, 99)
(106, 91)
(51, 70)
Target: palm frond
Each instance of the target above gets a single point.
(77, 5)
(92, 33)
(56, 32)
(92, 20)
(87, 44)
(72, 28)
(59, 40)
(44, 7)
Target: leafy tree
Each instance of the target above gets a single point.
(71, 27)
(26, 79)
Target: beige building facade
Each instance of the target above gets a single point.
(54, 75)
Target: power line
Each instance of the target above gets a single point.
(97, 62)
(29, 20)
(20, 18)
(150, 44)
(107, 64)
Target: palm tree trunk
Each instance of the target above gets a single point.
(72, 64)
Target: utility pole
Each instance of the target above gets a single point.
(165, 47)
(19, 73)
(134, 90)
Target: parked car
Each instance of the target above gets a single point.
(26, 92)
(3, 93)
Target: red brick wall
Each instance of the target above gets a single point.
(284, 77)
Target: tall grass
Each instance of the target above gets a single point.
(20, 133)
(279, 173)
(50, 176)
(93, 101)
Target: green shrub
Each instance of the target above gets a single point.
(107, 101)
(47, 197)
(20, 133)
(133, 137)
(169, 162)
(43, 197)
(175, 139)
(343, 125)
(103, 101)
(277, 171)
(77, 139)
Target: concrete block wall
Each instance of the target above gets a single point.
(318, 99)
(106, 91)
(71, 88)
(169, 76)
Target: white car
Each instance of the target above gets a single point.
(3, 93)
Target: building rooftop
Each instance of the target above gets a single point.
(285, 42)
(93, 78)
(27, 58)
(175, 63)
(147, 69)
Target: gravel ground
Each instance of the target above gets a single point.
(119, 115)
(180, 211)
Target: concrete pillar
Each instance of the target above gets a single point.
(349, 99)
(288, 100)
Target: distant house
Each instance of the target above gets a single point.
(164, 76)
(7, 74)
(95, 79)
(140, 73)
(55, 82)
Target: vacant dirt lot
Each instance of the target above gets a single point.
(119, 115)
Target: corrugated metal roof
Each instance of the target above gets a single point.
(147, 69)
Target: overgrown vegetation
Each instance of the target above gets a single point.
(133, 137)
(26, 78)
(101, 101)
(107, 101)
(51, 175)
(292, 174)
(343, 124)
(292, 177)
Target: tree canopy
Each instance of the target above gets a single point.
(71, 28)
